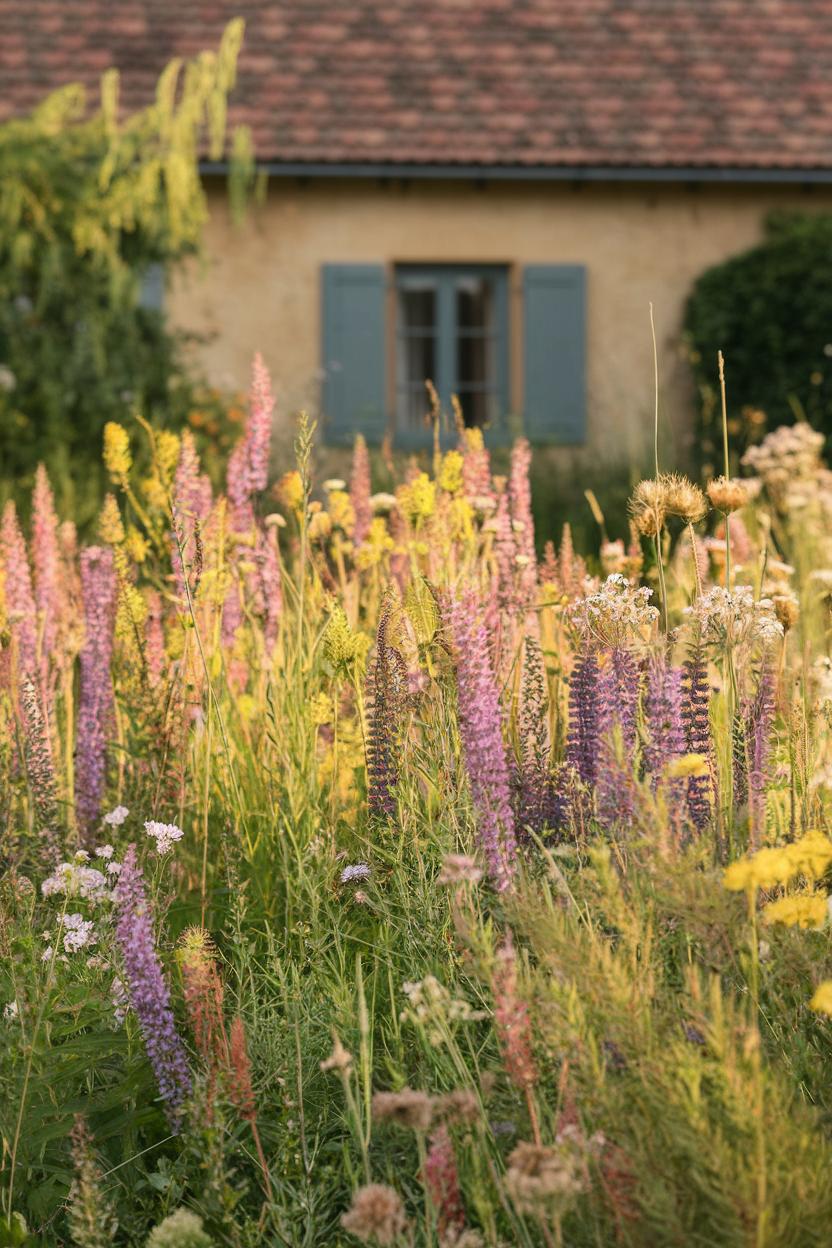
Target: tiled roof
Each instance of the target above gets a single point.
(626, 83)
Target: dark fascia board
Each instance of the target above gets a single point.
(535, 173)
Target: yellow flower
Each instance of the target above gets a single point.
(417, 499)
(167, 454)
(810, 856)
(461, 515)
(289, 490)
(320, 526)
(450, 472)
(321, 709)
(688, 765)
(117, 458)
(376, 544)
(801, 910)
(822, 1000)
(473, 438)
(110, 527)
(155, 492)
(136, 545)
(341, 510)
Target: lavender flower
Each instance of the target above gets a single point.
(504, 553)
(619, 690)
(98, 587)
(148, 991)
(355, 871)
(20, 602)
(537, 805)
(481, 731)
(164, 834)
(696, 719)
(665, 738)
(360, 490)
(584, 740)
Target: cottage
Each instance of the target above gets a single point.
(488, 193)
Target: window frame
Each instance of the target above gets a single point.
(447, 333)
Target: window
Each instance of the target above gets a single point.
(451, 328)
(384, 330)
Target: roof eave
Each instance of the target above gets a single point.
(534, 173)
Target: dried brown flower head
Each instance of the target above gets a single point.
(648, 506)
(460, 1107)
(408, 1108)
(376, 1214)
(540, 1179)
(683, 499)
(727, 495)
(787, 608)
(459, 869)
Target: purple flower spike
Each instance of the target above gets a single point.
(148, 991)
(480, 727)
(583, 745)
(760, 725)
(696, 717)
(248, 467)
(360, 490)
(20, 601)
(98, 589)
(663, 716)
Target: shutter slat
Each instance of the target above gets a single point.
(354, 387)
(554, 316)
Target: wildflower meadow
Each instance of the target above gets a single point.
(376, 870)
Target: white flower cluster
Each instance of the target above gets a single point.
(431, 1005)
(618, 610)
(164, 834)
(785, 453)
(355, 871)
(75, 879)
(115, 818)
(733, 618)
(79, 933)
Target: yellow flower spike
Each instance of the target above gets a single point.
(136, 545)
(417, 499)
(341, 645)
(320, 526)
(801, 910)
(342, 511)
(289, 490)
(167, 454)
(110, 526)
(450, 472)
(117, 458)
(321, 709)
(812, 854)
(822, 1000)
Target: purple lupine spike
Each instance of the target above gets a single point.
(760, 725)
(46, 561)
(619, 694)
(480, 728)
(148, 991)
(386, 695)
(20, 600)
(584, 740)
(520, 497)
(696, 719)
(98, 591)
(248, 467)
(360, 490)
(665, 735)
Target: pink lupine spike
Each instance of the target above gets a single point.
(191, 503)
(360, 490)
(46, 561)
(20, 600)
(520, 498)
(248, 467)
(98, 589)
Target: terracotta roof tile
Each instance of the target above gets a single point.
(622, 83)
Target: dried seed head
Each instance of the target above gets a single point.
(339, 1058)
(376, 1215)
(407, 1108)
(787, 609)
(648, 506)
(727, 495)
(683, 499)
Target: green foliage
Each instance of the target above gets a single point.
(181, 1230)
(769, 311)
(88, 202)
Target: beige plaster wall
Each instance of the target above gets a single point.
(257, 286)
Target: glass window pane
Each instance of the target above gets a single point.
(411, 408)
(475, 304)
(479, 407)
(474, 361)
(417, 305)
(416, 360)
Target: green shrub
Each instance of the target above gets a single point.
(88, 203)
(769, 310)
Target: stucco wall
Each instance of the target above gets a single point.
(257, 286)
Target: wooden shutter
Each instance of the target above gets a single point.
(354, 388)
(554, 330)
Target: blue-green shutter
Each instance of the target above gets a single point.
(354, 385)
(554, 330)
(152, 288)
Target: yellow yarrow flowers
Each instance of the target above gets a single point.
(417, 499)
(810, 856)
(822, 1000)
(801, 910)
